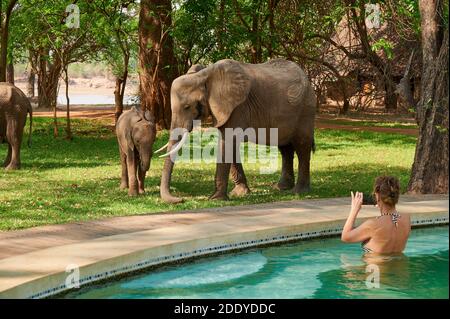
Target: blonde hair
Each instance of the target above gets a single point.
(388, 188)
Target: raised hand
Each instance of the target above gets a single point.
(357, 200)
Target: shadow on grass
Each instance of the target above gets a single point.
(324, 182)
(48, 153)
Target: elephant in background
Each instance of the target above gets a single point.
(14, 108)
(136, 133)
(275, 94)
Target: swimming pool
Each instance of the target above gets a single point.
(320, 268)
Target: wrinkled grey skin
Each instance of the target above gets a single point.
(14, 107)
(135, 133)
(275, 94)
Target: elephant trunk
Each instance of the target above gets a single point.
(145, 161)
(165, 180)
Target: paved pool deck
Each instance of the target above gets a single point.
(33, 262)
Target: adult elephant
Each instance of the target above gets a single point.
(275, 94)
(14, 108)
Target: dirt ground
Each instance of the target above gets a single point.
(349, 122)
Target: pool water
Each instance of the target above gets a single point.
(320, 268)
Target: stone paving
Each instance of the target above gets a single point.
(34, 260)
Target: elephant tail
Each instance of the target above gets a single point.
(30, 110)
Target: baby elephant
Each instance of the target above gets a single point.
(136, 133)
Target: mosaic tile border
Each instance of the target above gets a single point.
(217, 249)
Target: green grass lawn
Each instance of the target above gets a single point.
(372, 123)
(64, 181)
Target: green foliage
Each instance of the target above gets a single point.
(406, 15)
(385, 45)
(210, 30)
(117, 38)
(204, 34)
(204, 31)
(40, 26)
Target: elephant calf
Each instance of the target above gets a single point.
(136, 133)
(14, 107)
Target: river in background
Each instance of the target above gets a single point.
(92, 99)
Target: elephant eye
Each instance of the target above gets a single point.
(187, 106)
(199, 110)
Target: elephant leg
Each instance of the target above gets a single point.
(221, 181)
(8, 156)
(239, 179)
(132, 169)
(304, 156)
(287, 179)
(222, 174)
(14, 132)
(238, 175)
(124, 177)
(141, 180)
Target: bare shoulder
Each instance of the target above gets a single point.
(406, 217)
(371, 223)
(376, 224)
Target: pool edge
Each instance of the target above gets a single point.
(54, 283)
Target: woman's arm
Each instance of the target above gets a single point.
(361, 233)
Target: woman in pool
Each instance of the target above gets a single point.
(385, 234)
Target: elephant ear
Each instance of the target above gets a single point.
(136, 117)
(228, 86)
(130, 142)
(195, 68)
(6, 93)
(143, 115)
(148, 116)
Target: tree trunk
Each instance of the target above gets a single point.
(390, 97)
(158, 66)
(383, 68)
(33, 57)
(431, 33)
(47, 90)
(3, 51)
(68, 124)
(221, 30)
(118, 98)
(119, 91)
(48, 78)
(4, 33)
(256, 52)
(271, 9)
(430, 169)
(10, 73)
(30, 83)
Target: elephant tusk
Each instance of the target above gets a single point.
(177, 146)
(162, 148)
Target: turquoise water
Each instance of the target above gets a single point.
(317, 268)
